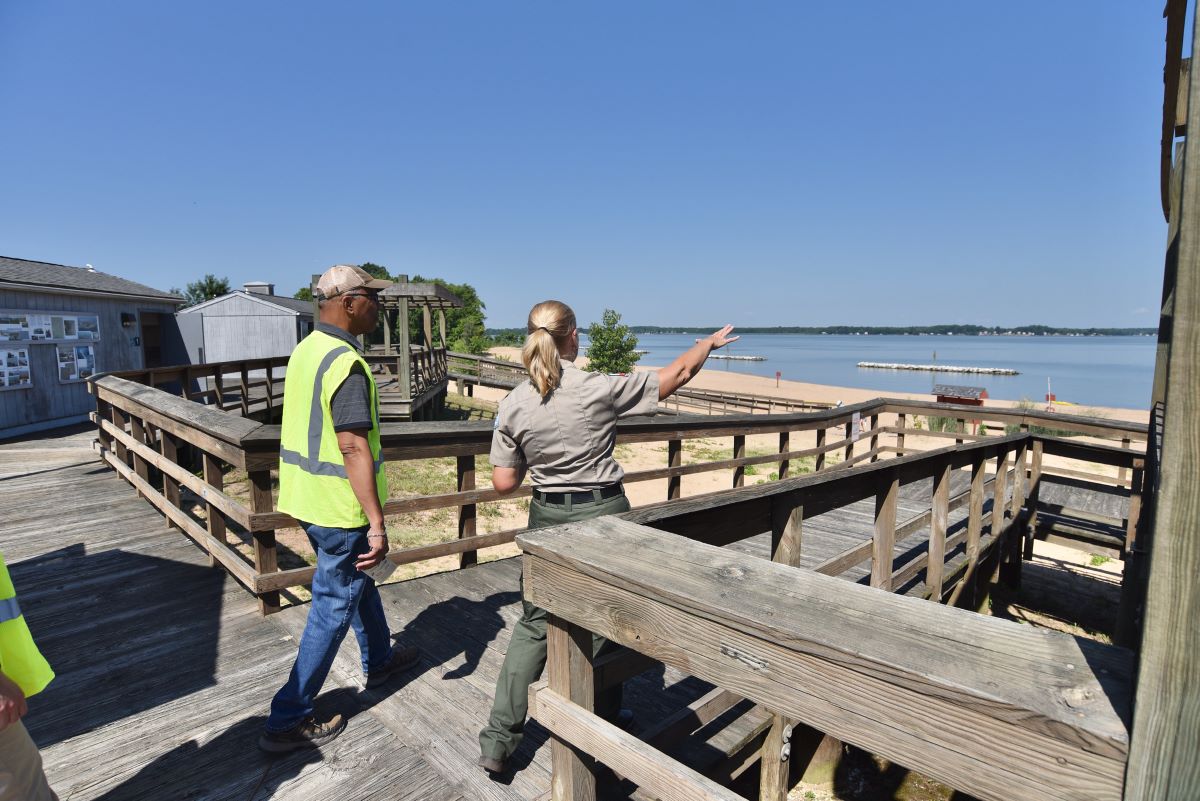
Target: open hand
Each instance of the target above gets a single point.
(12, 702)
(721, 338)
(378, 541)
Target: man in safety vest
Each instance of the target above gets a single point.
(331, 480)
(23, 672)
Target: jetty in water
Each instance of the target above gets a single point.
(738, 358)
(937, 368)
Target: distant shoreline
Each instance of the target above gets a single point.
(867, 330)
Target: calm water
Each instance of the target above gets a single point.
(1096, 371)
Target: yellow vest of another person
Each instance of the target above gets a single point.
(19, 657)
(312, 475)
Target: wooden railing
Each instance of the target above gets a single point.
(249, 388)
(142, 429)
(499, 373)
(990, 707)
(427, 368)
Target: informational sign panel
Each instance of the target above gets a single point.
(14, 368)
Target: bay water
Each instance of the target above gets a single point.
(1090, 371)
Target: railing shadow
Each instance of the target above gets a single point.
(124, 632)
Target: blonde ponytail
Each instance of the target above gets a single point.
(550, 323)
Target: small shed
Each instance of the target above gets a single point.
(59, 325)
(962, 395)
(248, 323)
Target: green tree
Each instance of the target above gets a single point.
(304, 293)
(465, 329)
(612, 345)
(206, 288)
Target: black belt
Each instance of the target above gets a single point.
(584, 496)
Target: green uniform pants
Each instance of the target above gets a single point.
(526, 657)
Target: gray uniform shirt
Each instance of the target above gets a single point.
(567, 440)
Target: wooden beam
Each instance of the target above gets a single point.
(938, 523)
(266, 559)
(651, 770)
(466, 512)
(569, 676)
(884, 540)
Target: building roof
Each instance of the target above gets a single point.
(433, 295)
(958, 391)
(291, 304)
(59, 278)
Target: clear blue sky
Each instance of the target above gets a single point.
(682, 162)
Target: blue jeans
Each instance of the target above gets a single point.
(342, 597)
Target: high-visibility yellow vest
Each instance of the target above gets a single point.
(312, 475)
(20, 659)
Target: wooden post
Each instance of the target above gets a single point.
(960, 426)
(974, 526)
(265, 558)
(216, 522)
(784, 447)
(118, 420)
(674, 459)
(169, 448)
(885, 533)
(245, 387)
(939, 521)
(1135, 505)
(1010, 559)
(848, 432)
(786, 536)
(820, 446)
(466, 512)
(427, 327)
(404, 351)
(900, 418)
(219, 383)
(138, 432)
(1123, 472)
(270, 393)
(1000, 495)
(103, 412)
(773, 767)
(786, 532)
(387, 329)
(739, 452)
(569, 673)
(1035, 485)
(875, 438)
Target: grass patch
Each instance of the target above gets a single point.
(1097, 560)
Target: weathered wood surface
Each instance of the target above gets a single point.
(165, 669)
(909, 680)
(1165, 758)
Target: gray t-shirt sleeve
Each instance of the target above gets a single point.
(505, 451)
(350, 405)
(634, 393)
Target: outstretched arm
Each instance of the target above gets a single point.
(680, 371)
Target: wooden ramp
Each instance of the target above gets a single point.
(166, 668)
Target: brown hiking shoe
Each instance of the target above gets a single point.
(308, 733)
(402, 659)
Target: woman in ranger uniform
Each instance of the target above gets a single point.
(561, 428)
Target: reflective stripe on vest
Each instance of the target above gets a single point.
(312, 463)
(9, 610)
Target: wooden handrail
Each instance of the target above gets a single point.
(253, 446)
(991, 707)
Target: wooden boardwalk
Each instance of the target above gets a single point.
(166, 669)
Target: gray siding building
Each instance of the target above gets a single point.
(59, 325)
(250, 323)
